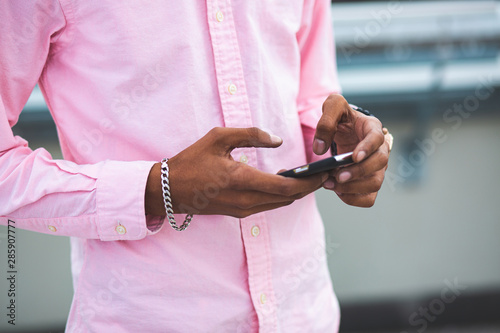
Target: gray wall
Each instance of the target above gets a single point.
(416, 236)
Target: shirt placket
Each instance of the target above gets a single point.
(236, 113)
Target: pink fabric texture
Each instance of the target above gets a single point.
(130, 82)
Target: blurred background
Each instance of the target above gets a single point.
(426, 257)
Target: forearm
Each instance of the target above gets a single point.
(62, 198)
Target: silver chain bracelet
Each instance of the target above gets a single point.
(167, 200)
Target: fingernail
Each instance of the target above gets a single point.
(344, 176)
(361, 156)
(329, 184)
(275, 139)
(319, 146)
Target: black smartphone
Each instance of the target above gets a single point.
(319, 166)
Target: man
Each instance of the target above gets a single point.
(231, 92)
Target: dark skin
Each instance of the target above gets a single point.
(238, 190)
(357, 184)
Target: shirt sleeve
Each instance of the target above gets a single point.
(318, 70)
(103, 200)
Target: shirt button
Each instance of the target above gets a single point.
(255, 231)
(120, 229)
(244, 159)
(52, 228)
(232, 89)
(263, 299)
(219, 16)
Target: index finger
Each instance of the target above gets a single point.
(372, 138)
(245, 137)
(334, 108)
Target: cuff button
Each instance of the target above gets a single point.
(121, 230)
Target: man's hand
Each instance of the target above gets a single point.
(357, 184)
(204, 178)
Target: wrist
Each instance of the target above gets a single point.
(167, 199)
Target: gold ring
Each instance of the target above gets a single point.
(388, 137)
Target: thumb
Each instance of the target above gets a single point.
(248, 137)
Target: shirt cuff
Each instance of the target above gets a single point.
(120, 201)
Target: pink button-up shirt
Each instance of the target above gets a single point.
(131, 82)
